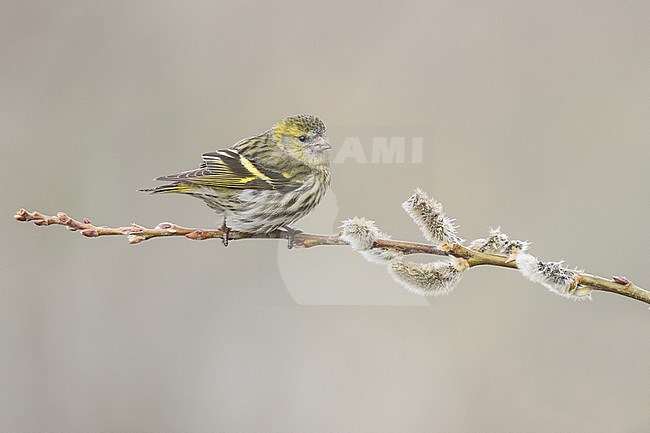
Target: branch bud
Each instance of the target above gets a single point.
(623, 281)
(196, 235)
(90, 233)
(63, 217)
(21, 215)
(136, 239)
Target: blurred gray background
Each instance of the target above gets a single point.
(534, 117)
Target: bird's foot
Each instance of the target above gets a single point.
(225, 231)
(291, 232)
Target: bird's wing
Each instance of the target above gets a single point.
(228, 169)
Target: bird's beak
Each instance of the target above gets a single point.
(322, 144)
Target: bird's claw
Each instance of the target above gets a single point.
(225, 231)
(291, 232)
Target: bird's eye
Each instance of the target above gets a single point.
(302, 138)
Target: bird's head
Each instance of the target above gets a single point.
(304, 138)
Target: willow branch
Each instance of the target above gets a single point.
(136, 234)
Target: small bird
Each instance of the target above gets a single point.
(262, 183)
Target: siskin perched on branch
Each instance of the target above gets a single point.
(264, 182)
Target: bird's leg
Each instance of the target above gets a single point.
(291, 232)
(225, 231)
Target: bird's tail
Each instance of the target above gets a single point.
(179, 188)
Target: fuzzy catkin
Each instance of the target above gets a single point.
(428, 279)
(499, 243)
(428, 215)
(552, 275)
(361, 234)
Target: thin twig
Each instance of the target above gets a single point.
(136, 234)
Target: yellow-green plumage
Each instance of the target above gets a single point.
(264, 182)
